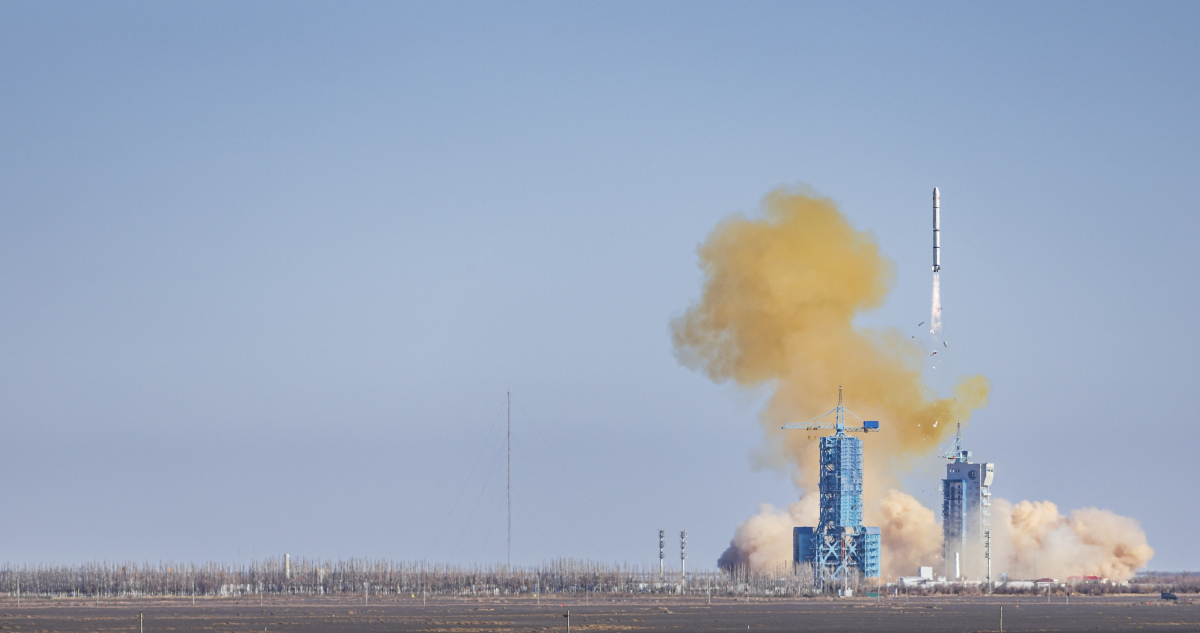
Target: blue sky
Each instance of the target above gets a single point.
(267, 270)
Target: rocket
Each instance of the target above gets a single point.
(937, 220)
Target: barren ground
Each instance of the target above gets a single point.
(391, 614)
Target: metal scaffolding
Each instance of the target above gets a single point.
(840, 543)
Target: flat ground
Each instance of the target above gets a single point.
(391, 614)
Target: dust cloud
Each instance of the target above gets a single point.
(759, 545)
(1032, 540)
(911, 534)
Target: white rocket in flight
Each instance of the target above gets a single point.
(937, 220)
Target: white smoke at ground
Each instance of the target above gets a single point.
(765, 539)
(1031, 539)
(911, 535)
(935, 317)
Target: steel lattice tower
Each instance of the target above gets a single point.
(840, 542)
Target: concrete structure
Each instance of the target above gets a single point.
(839, 543)
(966, 513)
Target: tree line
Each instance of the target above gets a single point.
(276, 576)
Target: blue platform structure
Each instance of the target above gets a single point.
(840, 542)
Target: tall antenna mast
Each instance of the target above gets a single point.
(957, 453)
(841, 411)
(510, 478)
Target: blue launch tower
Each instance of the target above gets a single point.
(840, 542)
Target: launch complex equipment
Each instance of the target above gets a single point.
(840, 543)
(966, 512)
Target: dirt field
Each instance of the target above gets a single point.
(338, 615)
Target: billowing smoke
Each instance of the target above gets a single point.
(910, 533)
(777, 311)
(1032, 540)
(766, 539)
(1029, 539)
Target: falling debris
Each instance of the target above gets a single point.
(935, 424)
(944, 344)
(934, 354)
(920, 324)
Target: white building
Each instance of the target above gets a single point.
(966, 513)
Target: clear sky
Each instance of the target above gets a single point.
(268, 269)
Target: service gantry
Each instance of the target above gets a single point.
(840, 542)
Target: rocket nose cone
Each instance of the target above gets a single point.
(936, 195)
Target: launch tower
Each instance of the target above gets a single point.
(840, 542)
(966, 512)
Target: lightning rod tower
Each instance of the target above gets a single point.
(510, 478)
(662, 553)
(683, 558)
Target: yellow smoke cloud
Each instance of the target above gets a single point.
(777, 310)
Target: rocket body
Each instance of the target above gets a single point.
(937, 221)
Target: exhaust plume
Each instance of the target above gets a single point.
(781, 293)
(935, 319)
